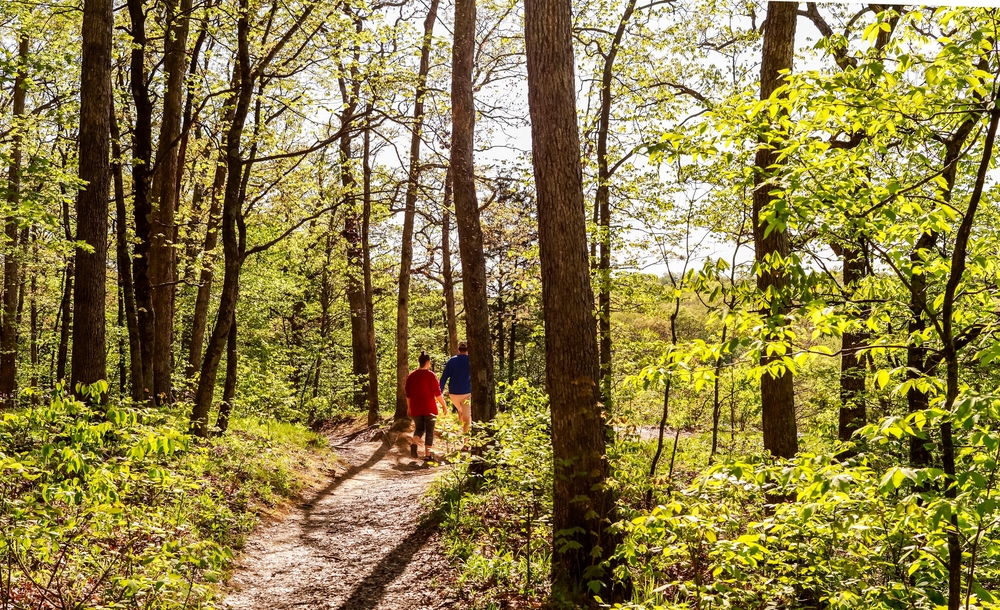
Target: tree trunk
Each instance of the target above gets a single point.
(366, 215)
(33, 345)
(229, 387)
(582, 504)
(125, 284)
(8, 331)
(66, 320)
(776, 391)
(89, 357)
(355, 264)
(233, 232)
(470, 232)
(512, 345)
(853, 412)
(162, 254)
(603, 204)
(412, 186)
(142, 155)
(200, 319)
(448, 279)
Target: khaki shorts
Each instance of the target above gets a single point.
(461, 402)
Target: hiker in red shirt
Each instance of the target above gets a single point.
(423, 394)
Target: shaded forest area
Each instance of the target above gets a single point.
(727, 270)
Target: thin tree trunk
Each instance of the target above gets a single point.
(776, 390)
(412, 187)
(853, 412)
(125, 284)
(8, 331)
(950, 353)
(162, 254)
(582, 503)
(366, 215)
(142, 155)
(470, 232)
(89, 363)
(229, 387)
(33, 345)
(66, 320)
(603, 204)
(451, 321)
(511, 347)
(233, 231)
(200, 320)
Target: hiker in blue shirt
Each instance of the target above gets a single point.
(458, 378)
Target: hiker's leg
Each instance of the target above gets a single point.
(461, 402)
(430, 421)
(420, 423)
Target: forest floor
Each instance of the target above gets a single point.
(356, 544)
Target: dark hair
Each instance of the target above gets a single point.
(424, 358)
(463, 346)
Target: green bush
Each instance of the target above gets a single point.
(112, 506)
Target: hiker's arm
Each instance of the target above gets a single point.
(408, 407)
(445, 374)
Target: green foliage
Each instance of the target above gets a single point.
(498, 530)
(112, 506)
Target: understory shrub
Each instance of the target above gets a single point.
(113, 506)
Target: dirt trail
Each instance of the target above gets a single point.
(356, 545)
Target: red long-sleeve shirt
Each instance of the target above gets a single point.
(422, 389)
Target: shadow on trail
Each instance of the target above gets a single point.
(371, 590)
(351, 472)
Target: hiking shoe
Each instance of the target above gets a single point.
(413, 451)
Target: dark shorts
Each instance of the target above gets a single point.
(425, 423)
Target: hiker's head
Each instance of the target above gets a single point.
(424, 360)
(463, 347)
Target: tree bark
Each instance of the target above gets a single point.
(470, 232)
(366, 260)
(142, 155)
(11, 280)
(162, 254)
(582, 503)
(125, 283)
(233, 231)
(89, 358)
(412, 186)
(229, 387)
(853, 411)
(448, 280)
(603, 205)
(200, 320)
(777, 393)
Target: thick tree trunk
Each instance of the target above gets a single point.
(366, 260)
(582, 504)
(142, 155)
(853, 412)
(470, 232)
(233, 233)
(354, 252)
(162, 254)
(89, 357)
(776, 391)
(451, 321)
(412, 187)
(8, 331)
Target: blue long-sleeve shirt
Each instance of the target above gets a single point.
(457, 370)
